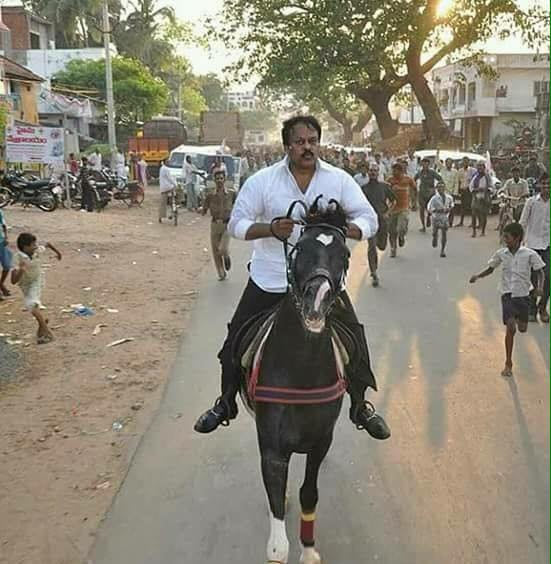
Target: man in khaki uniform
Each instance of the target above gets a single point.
(220, 203)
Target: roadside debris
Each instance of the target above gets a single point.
(120, 342)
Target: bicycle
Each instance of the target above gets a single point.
(173, 203)
(510, 210)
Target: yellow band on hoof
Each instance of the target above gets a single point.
(308, 518)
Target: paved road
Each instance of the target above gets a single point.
(463, 480)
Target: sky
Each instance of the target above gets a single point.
(204, 62)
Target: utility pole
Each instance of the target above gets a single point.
(111, 132)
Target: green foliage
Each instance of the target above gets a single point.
(138, 94)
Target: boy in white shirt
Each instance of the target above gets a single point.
(440, 207)
(517, 265)
(28, 274)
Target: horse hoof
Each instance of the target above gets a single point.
(310, 556)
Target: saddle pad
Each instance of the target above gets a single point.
(251, 363)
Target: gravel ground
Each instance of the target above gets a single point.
(9, 361)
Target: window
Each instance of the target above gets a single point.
(472, 91)
(462, 94)
(35, 40)
(541, 86)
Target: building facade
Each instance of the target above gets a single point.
(28, 31)
(479, 108)
(20, 88)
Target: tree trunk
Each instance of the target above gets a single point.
(378, 98)
(362, 121)
(347, 135)
(435, 126)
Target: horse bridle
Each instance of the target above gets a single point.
(290, 257)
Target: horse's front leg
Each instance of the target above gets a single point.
(275, 468)
(309, 501)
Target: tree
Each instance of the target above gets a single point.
(138, 94)
(351, 114)
(369, 49)
(213, 91)
(143, 35)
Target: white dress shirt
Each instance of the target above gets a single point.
(440, 206)
(412, 167)
(535, 222)
(269, 193)
(516, 270)
(361, 179)
(516, 189)
(450, 176)
(166, 181)
(187, 172)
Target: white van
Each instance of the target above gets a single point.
(202, 158)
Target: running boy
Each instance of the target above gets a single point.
(440, 207)
(28, 274)
(518, 263)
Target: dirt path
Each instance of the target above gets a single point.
(72, 411)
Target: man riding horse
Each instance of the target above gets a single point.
(265, 197)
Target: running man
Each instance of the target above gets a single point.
(401, 185)
(220, 203)
(427, 178)
(439, 207)
(382, 200)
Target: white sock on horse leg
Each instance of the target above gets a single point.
(310, 556)
(278, 545)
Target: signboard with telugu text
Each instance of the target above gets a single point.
(34, 144)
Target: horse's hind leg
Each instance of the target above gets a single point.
(309, 501)
(274, 473)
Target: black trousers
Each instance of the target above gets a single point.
(88, 201)
(254, 301)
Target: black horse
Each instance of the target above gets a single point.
(297, 397)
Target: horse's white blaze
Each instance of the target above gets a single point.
(278, 545)
(310, 556)
(323, 290)
(324, 239)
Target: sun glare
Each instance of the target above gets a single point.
(444, 7)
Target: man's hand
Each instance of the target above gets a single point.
(283, 228)
(354, 232)
(473, 278)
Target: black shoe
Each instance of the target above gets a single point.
(365, 417)
(401, 240)
(220, 414)
(227, 262)
(375, 281)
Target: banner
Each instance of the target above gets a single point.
(34, 144)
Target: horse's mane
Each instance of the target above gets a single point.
(333, 214)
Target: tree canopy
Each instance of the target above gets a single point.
(369, 49)
(138, 94)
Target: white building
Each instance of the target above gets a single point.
(478, 107)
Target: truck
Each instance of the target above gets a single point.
(157, 138)
(217, 127)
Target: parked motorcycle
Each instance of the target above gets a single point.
(15, 189)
